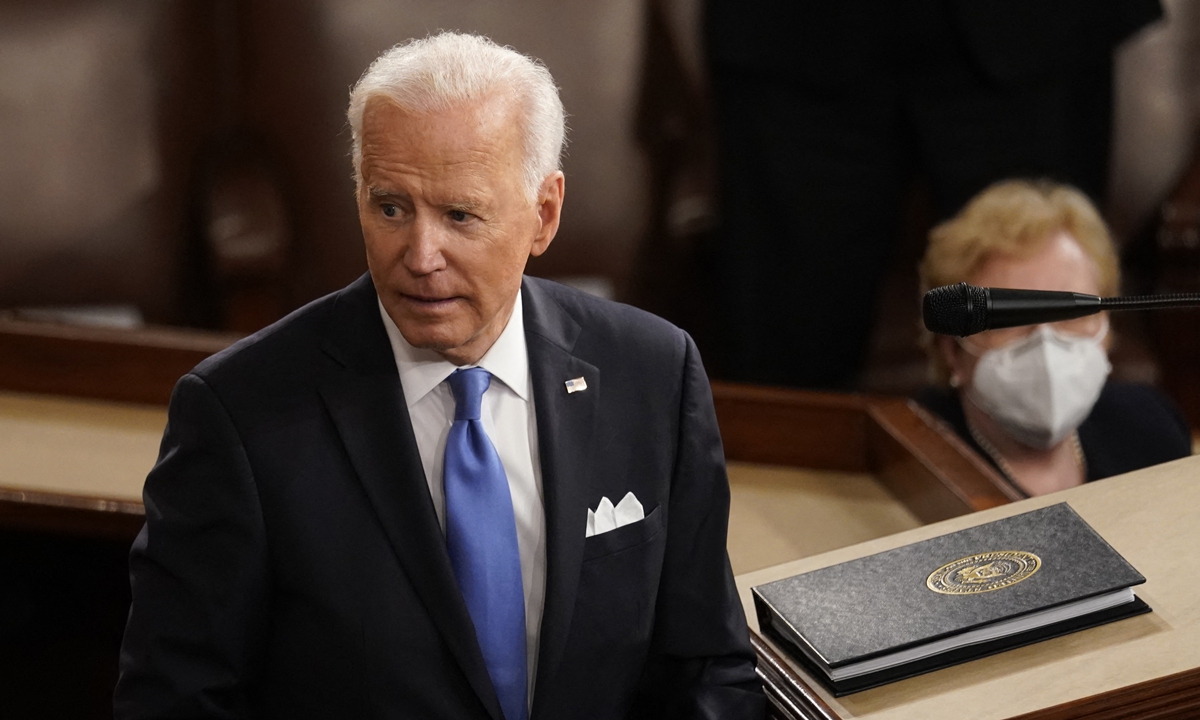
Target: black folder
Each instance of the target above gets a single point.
(949, 599)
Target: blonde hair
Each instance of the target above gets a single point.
(451, 69)
(1014, 218)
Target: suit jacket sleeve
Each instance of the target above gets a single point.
(702, 664)
(198, 571)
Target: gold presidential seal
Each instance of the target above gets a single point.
(984, 572)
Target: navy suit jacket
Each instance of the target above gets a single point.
(292, 565)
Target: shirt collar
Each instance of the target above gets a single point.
(422, 370)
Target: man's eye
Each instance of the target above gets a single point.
(458, 216)
(390, 210)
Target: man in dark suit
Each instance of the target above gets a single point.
(399, 501)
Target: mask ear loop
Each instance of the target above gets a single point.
(970, 347)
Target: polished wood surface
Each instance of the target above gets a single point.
(792, 427)
(1145, 666)
(915, 457)
(65, 454)
(926, 465)
(136, 366)
(923, 466)
(778, 513)
(78, 447)
(75, 466)
(1175, 696)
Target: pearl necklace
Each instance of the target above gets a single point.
(1006, 470)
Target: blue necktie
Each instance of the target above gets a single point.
(481, 536)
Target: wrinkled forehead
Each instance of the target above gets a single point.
(482, 133)
(492, 120)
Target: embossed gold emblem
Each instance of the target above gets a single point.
(984, 572)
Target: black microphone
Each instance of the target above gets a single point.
(964, 309)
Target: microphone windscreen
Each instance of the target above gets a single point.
(955, 310)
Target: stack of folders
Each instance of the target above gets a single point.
(949, 599)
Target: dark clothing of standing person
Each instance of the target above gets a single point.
(824, 110)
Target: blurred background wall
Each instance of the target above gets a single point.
(1157, 116)
(185, 161)
(189, 159)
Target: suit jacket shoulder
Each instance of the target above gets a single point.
(610, 326)
(283, 359)
(637, 353)
(298, 332)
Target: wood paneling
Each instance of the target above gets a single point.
(792, 427)
(138, 366)
(927, 467)
(1177, 270)
(106, 107)
(1176, 697)
(71, 515)
(928, 470)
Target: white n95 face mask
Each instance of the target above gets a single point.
(1040, 388)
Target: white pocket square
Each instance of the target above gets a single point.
(607, 517)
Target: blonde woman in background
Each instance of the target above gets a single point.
(1036, 401)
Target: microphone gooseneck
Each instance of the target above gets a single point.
(964, 309)
(1150, 302)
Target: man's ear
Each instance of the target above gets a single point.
(549, 212)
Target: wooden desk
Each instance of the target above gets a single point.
(78, 447)
(74, 465)
(809, 472)
(1147, 666)
(778, 514)
(91, 455)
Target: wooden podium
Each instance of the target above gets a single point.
(1142, 667)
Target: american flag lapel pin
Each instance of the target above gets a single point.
(576, 385)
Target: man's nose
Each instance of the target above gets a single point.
(424, 252)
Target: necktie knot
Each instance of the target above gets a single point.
(468, 386)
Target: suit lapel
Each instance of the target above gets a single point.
(565, 425)
(366, 402)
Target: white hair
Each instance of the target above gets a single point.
(450, 70)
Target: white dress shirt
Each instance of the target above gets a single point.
(511, 424)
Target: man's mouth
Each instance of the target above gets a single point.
(429, 302)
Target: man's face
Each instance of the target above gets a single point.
(447, 222)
